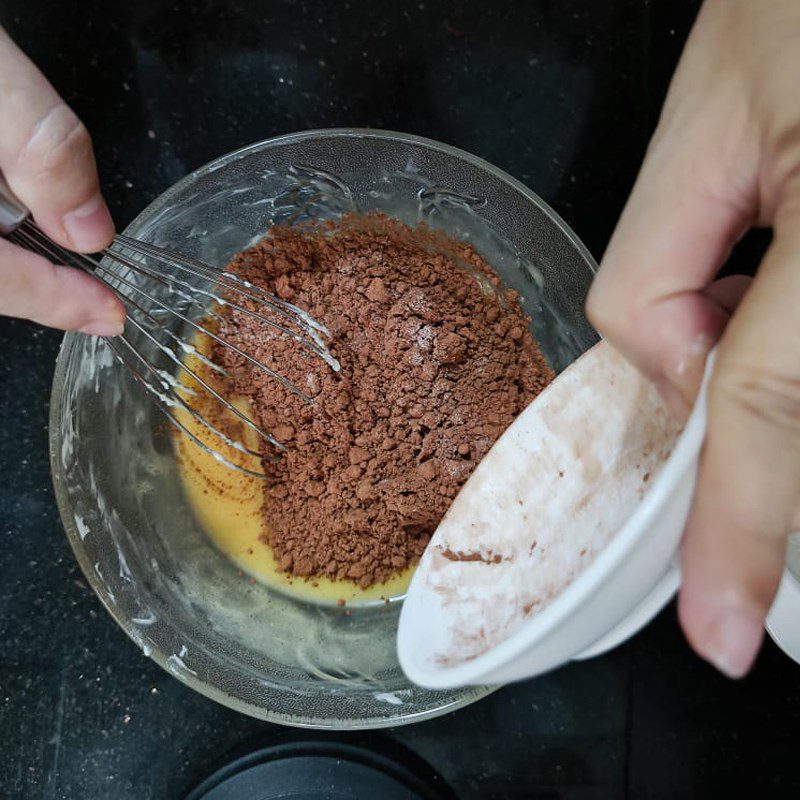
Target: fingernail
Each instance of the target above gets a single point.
(734, 642)
(673, 399)
(89, 227)
(103, 327)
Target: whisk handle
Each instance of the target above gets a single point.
(12, 212)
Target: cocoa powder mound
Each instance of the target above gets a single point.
(436, 361)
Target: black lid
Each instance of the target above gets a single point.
(314, 770)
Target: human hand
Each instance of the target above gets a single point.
(725, 157)
(46, 158)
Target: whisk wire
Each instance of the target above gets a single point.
(174, 387)
(311, 344)
(169, 396)
(138, 258)
(163, 404)
(232, 282)
(90, 264)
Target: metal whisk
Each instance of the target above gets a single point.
(196, 308)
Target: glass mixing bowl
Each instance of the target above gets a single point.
(241, 643)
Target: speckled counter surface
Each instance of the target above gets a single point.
(561, 94)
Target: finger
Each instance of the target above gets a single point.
(694, 197)
(749, 481)
(46, 156)
(60, 297)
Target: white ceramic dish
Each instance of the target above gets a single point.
(564, 541)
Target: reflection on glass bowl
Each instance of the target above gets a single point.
(147, 557)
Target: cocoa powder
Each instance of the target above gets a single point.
(436, 361)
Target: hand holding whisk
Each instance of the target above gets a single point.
(174, 302)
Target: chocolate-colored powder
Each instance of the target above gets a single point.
(436, 361)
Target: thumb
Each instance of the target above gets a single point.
(46, 156)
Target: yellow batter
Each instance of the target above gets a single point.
(228, 504)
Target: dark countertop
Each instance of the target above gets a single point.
(563, 95)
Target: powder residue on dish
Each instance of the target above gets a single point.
(436, 362)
